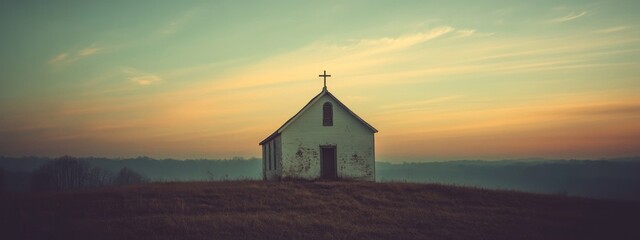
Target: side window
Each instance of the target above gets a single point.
(275, 163)
(327, 114)
(264, 156)
(269, 155)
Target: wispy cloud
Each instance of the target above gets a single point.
(141, 78)
(88, 51)
(145, 80)
(465, 32)
(419, 103)
(388, 44)
(171, 27)
(606, 109)
(59, 58)
(72, 56)
(368, 60)
(178, 22)
(612, 29)
(569, 17)
(345, 57)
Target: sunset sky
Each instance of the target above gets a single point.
(440, 80)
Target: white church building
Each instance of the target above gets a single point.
(324, 140)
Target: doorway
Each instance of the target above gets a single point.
(328, 162)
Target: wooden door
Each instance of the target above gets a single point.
(328, 162)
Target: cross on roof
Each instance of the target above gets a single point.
(325, 78)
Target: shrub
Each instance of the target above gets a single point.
(127, 176)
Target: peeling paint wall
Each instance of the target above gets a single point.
(301, 141)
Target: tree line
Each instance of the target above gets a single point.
(67, 173)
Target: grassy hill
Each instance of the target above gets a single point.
(311, 210)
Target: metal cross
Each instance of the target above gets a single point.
(325, 78)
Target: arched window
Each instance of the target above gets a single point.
(327, 114)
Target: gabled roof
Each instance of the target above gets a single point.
(313, 100)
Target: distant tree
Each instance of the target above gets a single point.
(1, 181)
(127, 176)
(211, 176)
(100, 177)
(68, 173)
(61, 174)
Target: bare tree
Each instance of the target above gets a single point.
(100, 177)
(127, 176)
(68, 173)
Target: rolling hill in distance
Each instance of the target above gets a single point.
(607, 179)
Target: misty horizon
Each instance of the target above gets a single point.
(613, 178)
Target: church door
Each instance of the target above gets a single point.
(328, 162)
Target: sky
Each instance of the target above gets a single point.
(440, 80)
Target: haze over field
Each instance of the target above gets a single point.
(210, 79)
(610, 179)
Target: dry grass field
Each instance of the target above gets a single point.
(311, 210)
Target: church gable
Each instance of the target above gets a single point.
(327, 114)
(318, 103)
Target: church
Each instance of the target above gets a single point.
(324, 140)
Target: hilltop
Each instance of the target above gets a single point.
(311, 210)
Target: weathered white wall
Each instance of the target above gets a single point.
(300, 144)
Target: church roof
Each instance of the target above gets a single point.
(313, 100)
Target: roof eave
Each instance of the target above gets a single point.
(269, 138)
